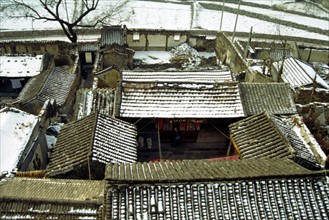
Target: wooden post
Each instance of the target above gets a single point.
(159, 141)
(89, 171)
(309, 55)
(245, 54)
(236, 20)
(221, 19)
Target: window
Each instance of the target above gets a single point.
(136, 36)
(176, 37)
(89, 58)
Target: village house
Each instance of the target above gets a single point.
(85, 146)
(177, 117)
(114, 49)
(16, 70)
(22, 143)
(200, 189)
(33, 198)
(198, 105)
(267, 136)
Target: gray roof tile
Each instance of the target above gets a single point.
(98, 138)
(57, 86)
(301, 198)
(276, 98)
(181, 100)
(242, 189)
(50, 198)
(268, 136)
(113, 35)
(201, 170)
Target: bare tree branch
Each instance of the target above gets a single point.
(50, 10)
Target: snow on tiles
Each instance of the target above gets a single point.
(20, 66)
(16, 128)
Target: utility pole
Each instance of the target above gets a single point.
(236, 20)
(221, 19)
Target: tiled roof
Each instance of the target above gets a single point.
(181, 100)
(94, 100)
(201, 170)
(57, 86)
(178, 77)
(258, 137)
(97, 137)
(307, 150)
(299, 198)
(275, 98)
(267, 136)
(298, 74)
(88, 47)
(33, 86)
(50, 198)
(113, 35)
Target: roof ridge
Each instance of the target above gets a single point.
(204, 170)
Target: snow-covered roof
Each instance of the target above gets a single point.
(16, 128)
(280, 137)
(94, 100)
(20, 66)
(181, 100)
(98, 137)
(298, 73)
(178, 76)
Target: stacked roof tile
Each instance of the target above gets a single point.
(178, 77)
(275, 98)
(57, 86)
(94, 100)
(180, 95)
(266, 197)
(201, 170)
(51, 84)
(268, 136)
(91, 142)
(27, 198)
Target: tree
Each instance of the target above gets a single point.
(70, 14)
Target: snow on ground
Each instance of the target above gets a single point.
(16, 128)
(312, 22)
(159, 15)
(154, 15)
(162, 57)
(306, 8)
(268, 2)
(153, 57)
(245, 23)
